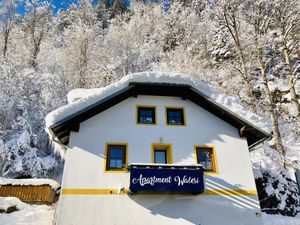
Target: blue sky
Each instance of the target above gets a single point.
(64, 4)
(57, 5)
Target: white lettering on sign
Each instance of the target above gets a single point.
(186, 180)
(151, 180)
(165, 180)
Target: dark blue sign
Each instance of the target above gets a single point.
(166, 179)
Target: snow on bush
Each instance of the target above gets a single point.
(277, 192)
(280, 220)
(11, 202)
(19, 158)
(25, 98)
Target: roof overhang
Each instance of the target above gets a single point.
(63, 128)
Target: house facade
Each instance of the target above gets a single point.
(151, 152)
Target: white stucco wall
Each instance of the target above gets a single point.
(84, 169)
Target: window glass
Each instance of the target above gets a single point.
(116, 157)
(160, 156)
(205, 157)
(175, 116)
(146, 115)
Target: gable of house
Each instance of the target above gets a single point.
(62, 128)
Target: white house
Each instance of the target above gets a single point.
(134, 149)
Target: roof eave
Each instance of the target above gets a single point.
(63, 128)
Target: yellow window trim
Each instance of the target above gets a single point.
(137, 114)
(214, 158)
(167, 147)
(175, 107)
(105, 157)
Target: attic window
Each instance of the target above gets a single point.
(175, 116)
(146, 115)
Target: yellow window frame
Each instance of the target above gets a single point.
(214, 157)
(123, 170)
(137, 115)
(175, 107)
(166, 147)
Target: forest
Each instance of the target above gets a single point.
(246, 49)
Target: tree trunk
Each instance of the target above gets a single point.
(246, 77)
(234, 32)
(83, 62)
(6, 37)
(271, 108)
(36, 39)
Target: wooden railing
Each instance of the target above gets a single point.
(41, 194)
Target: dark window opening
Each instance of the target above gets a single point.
(160, 156)
(175, 116)
(146, 115)
(116, 157)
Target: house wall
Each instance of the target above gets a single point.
(91, 196)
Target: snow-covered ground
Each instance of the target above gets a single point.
(27, 214)
(280, 220)
(43, 214)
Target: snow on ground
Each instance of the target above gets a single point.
(280, 220)
(27, 214)
(44, 214)
(7, 202)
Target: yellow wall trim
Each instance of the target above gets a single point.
(230, 192)
(126, 191)
(91, 191)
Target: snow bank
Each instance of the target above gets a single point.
(280, 220)
(27, 214)
(34, 182)
(87, 98)
(7, 202)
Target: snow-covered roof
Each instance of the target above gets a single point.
(83, 99)
(99, 93)
(33, 182)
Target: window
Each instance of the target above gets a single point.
(175, 116)
(116, 157)
(146, 115)
(206, 156)
(162, 153)
(160, 156)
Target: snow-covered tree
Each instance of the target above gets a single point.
(8, 15)
(37, 22)
(286, 21)
(228, 14)
(246, 49)
(256, 15)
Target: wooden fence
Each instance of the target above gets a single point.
(41, 194)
